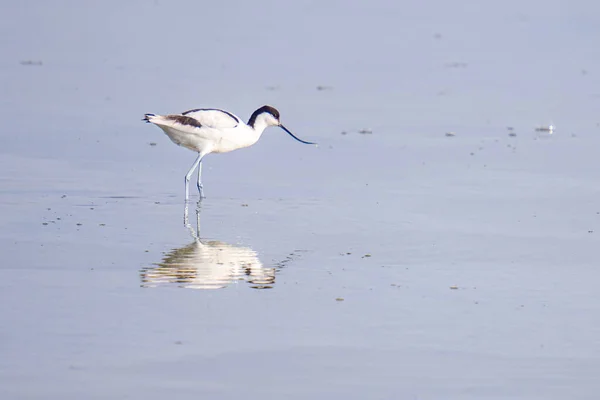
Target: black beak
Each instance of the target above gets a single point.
(292, 135)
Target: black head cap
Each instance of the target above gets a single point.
(263, 109)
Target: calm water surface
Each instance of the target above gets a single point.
(394, 263)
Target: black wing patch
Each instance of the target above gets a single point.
(212, 109)
(183, 120)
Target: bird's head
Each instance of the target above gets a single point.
(268, 116)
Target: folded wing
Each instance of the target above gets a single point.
(213, 118)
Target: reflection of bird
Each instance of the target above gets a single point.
(209, 265)
(208, 130)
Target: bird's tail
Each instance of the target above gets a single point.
(147, 117)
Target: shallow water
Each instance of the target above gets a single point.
(401, 263)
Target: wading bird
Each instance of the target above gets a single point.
(210, 130)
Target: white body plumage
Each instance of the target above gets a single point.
(218, 132)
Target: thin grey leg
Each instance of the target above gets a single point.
(189, 175)
(200, 187)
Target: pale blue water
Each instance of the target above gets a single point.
(399, 264)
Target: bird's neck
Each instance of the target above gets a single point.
(259, 126)
(259, 121)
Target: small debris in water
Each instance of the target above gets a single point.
(456, 65)
(450, 134)
(339, 299)
(344, 132)
(366, 256)
(244, 205)
(152, 143)
(63, 196)
(32, 62)
(102, 224)
(549, 128)
(590, 231)
(512, 134)
(322, 87)
(178, 342)
(365, 131)
(44, 223)
(453, 287)
(510, 128)
(79, 224)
